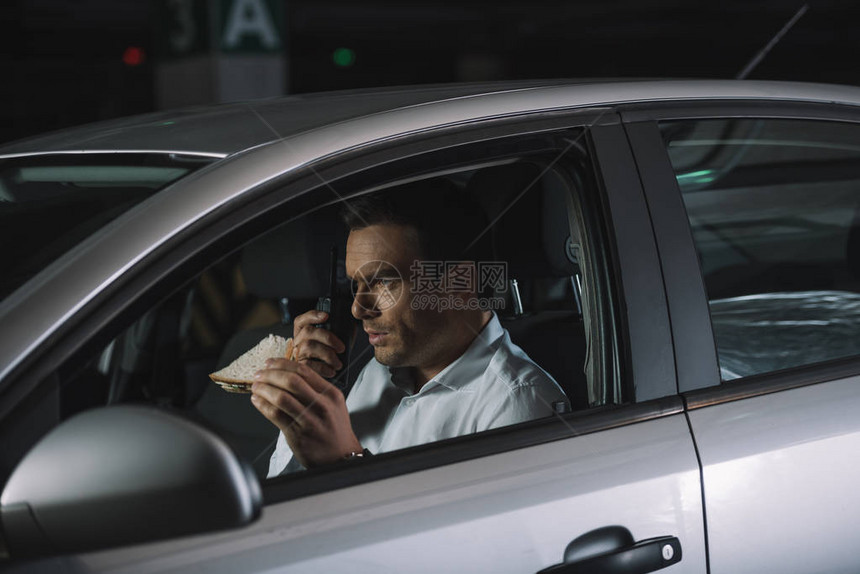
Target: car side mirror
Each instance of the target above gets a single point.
(123, 475)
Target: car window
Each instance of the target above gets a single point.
(51, 202)
(773, 207)
(536, 276)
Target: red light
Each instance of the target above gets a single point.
(133, 56)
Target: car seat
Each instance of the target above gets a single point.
(531, 231)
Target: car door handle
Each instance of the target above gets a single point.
(612, 550)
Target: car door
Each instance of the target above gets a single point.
(620, 469)
(755, 209)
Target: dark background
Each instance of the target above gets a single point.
(62, 61)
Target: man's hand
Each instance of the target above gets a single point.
(315, 347)
(310, 411)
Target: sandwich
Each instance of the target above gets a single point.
(238, 376)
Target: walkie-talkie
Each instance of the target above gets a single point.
(340, 321)
(326, 302)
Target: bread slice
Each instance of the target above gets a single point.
(238, 376)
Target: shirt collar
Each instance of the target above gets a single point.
(467, 367)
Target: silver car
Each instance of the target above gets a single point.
(683, 257)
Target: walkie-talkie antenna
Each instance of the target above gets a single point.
(332, 282)
(773, 42)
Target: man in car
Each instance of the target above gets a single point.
(439, 370)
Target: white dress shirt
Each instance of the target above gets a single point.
(492, 384)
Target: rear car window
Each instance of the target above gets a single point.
(773, 207)
(49, 203)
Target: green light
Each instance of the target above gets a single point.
(696, 177)
(343, 57)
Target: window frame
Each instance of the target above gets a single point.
(695, 348)
(173, 265)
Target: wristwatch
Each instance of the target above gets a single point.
(355, 455)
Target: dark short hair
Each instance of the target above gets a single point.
(451, 226)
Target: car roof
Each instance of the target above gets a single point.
(220, 130)
(202, 129)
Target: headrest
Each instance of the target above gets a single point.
(529, 212)
(293, 259)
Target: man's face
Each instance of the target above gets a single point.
(378, 260)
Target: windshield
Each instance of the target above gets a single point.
(49, 203)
